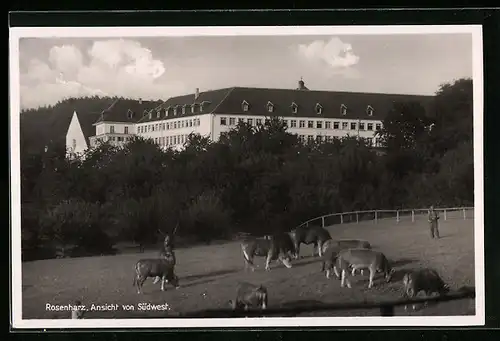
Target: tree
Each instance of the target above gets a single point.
(453, 116)
(404, 126)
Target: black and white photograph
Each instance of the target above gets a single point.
(185, 177)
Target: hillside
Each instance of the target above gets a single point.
(48, 125)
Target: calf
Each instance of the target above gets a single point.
(315, 235)
(249, 295)
(162, 268)
(375, 261)
(331, 248)
(277, 247)
(427, 280)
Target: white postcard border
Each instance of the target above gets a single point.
(107, 32)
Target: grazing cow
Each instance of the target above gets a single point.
(277, 247)
(162, 268)
(331, 248)
(426, 280)
(315, 235)
(249, 295)
(375, 261)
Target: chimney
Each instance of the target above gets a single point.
(197, 94)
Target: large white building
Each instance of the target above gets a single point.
(320, 115)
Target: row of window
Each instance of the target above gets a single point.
(177, 110)
(195, 122)
(245, 106)
(294, 108)
(326, 138)
(171, 140)
(116, 138)
(231, 121)
(112, 130)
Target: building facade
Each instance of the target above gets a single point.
(312, 115)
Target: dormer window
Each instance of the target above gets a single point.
(130, 113)
(158, 114)
(176, 110)
(184, 110)
(245, 106)
(270, 107)
(295, 107)
(369, 110)
(193, 108)
(203, 104)
(319, 109)
(343, 110)
(150, 115)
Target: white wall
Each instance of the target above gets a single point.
(218, 128)
(172, 132)
(178, 129)
(75, 139)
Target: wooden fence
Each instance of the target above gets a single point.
(403, 215)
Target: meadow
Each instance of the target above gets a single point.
(209, 275)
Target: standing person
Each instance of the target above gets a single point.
(433, 221)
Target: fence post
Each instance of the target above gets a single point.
(464, 214)
(375, 217)
(444, 212)
(323, 221)
(412, 216)
(341, 218)
(397, 216)
(357, 217)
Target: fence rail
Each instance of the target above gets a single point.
(386, 308)
(407, 215)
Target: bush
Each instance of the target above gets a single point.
(206, 218)
(78, 223)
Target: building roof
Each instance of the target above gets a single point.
(209, 99)
(229, 101)
(127, 110)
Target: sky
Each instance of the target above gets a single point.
(52, 69)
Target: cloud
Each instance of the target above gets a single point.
(129, 55)
(66, 59)
(333, 53)
(110, 67)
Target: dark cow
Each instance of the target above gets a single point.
(249, 295)
(315, 235)
(355, 259)
(331, 248)
(162, 268)
(276, 247)
(426, 280)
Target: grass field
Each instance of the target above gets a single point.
(209, 275)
